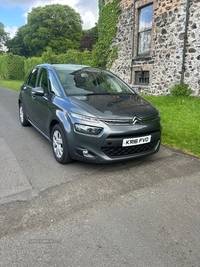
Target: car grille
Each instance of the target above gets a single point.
(123, 151)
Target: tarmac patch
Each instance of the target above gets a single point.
(12, 178)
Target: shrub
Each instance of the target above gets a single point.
(11, 67)
(30, 63)
(180, 90)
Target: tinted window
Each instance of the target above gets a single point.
(54, 87)
(31, 81)
(91, 81)
(43, 80)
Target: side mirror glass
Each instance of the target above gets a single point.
(37, 91)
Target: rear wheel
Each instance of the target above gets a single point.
(22, 116)
(59, 145)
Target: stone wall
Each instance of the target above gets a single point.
(164, 62)
(192, 72)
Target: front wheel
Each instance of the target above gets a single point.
(59, 145)
(22, 116)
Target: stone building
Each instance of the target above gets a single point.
(158, 44)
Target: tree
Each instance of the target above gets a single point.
(56, 26)
(87, 42)
(16, 45)
(93, 32)
(4, 37)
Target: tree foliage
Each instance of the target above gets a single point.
(56, 26)
(87, 42)
(16, 45)
(93, 32)
(103, 54)
(4, 37)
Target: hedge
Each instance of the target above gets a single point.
(11, 67)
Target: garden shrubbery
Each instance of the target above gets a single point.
(13, 67)
(180, 90)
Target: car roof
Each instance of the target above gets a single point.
(72, 67)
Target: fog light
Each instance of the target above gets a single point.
(83, 152)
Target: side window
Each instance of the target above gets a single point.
(54, 88)
(32, 78)
(144, 30)
(43, 79)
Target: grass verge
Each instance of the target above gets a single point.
(180, 121)
(14, 85)
(179, 117)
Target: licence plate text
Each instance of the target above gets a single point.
(136, 141)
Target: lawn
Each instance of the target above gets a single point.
(179, 117)
(180, 120)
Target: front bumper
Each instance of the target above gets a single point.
(111, 149)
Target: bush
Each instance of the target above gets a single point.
(11, 67)
(180, 90)
(30, 63)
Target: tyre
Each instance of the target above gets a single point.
(59, 145)
(22, 116)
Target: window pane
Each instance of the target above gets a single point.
(144, 43)
(43, 81)
(31, 81)
(142, 77)
(145, 18)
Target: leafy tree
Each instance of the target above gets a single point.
(87, 42)
(16, 45)
(4, 37)
(93, 32)
(56, 26)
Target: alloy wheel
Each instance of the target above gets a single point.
(58, 144)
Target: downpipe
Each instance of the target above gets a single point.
(185, 42)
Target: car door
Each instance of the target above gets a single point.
(26, 92)
(42, 103)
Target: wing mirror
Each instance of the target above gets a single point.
(37, 91)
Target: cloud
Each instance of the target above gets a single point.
(11, 30)
(89, 20)
(88, 9)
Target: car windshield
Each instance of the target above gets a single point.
(87, 80)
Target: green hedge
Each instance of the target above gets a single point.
(11, 67)
(14, 67)
(70, 57)
(30, 63)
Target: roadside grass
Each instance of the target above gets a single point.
(180, 118)
(14, 85)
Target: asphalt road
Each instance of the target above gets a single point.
(137, 213)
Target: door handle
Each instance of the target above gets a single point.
(33, 97)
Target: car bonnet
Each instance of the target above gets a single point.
(115, 106)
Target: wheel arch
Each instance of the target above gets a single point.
(52, 124)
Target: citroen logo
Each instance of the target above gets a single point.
(136, 120)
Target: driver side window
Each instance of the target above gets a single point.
(31, 81)
(43, 80)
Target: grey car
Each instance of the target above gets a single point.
(88, 114)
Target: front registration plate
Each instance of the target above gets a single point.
(136, 141)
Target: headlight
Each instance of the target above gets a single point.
(82, 117)
(87, 129)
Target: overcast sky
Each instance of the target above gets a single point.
(13, 13)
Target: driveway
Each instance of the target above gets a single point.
(138, 213)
